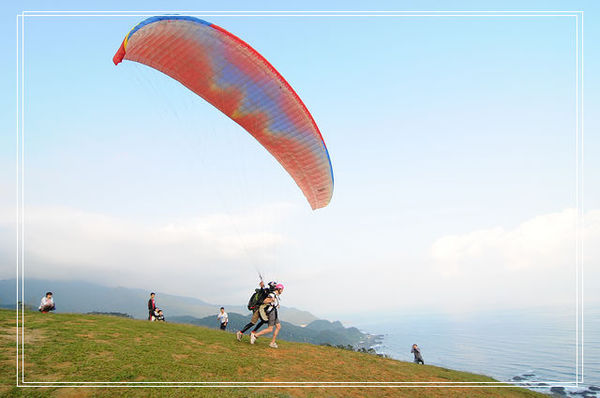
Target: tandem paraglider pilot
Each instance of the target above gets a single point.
(47, 304)
(254, 303)
(268, 313)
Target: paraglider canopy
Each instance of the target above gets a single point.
(241, 83)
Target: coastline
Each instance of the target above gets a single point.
(526, 379)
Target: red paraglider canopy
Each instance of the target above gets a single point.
(237, 80)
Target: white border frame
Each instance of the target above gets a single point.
(20, 178)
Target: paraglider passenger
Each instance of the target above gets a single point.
(151, 306)
(260, 295)
(222, 317)
(269, 311)
(47, 304)
(417, 353)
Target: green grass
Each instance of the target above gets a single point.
(85, 348)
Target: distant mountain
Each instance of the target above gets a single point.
(322, 324)
(316, 332)
(84, 297)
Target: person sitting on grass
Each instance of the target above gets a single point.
(269, 311)
(47, 304)
(158, 315)
(417, 353)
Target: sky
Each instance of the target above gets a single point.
(452, 142)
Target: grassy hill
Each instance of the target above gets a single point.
(80, 348)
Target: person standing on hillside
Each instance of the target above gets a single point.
(264, 291)
(47, 303)
(417, 353)
(223, 318)
(269, 311)
(151, 306)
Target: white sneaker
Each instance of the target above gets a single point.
(273, 344)
(252, 338)
(239, 335)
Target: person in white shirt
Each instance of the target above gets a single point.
(222, 316)
(47, 303)
(269, 311)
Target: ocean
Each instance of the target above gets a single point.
(527, 346)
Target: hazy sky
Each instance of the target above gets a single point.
(452, 142)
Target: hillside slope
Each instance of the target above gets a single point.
(85, 348)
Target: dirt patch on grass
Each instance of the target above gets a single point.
(102, 355)
(62, 365)
(8, 333)
(220, 348)
(246, 371)
(34, 373)
(8, 351)
(33, 335)
(87, 335)
(72, 393)
(82, 320)
(178, 357)
(195, 341)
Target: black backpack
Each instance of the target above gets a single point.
(257, 299)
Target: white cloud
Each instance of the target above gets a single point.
(67, 236)
(528, 265)
(65, 243)
(545, 242)
(213, 257)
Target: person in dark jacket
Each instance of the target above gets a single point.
(268, 311)
(151, 306)
(417, 353)
(255, 314)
